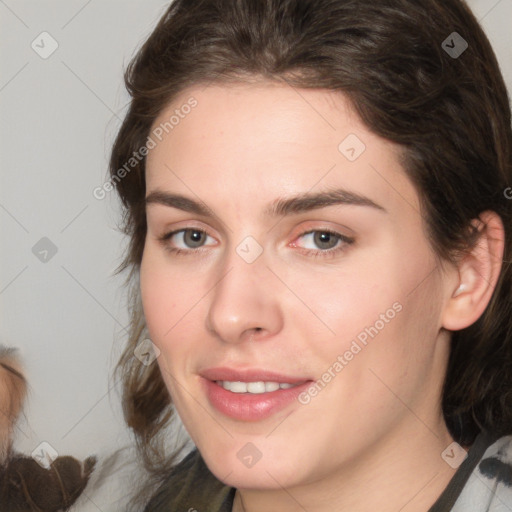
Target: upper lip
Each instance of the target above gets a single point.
(249, 375)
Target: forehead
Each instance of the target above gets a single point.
(240, 116)
(263, 138)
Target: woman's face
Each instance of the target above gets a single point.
(303, 260)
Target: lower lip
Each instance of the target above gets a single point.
(251, 406)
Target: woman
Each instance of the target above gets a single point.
(316, 198)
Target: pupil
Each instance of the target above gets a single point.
(323, 238)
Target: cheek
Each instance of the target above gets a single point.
(165, 296)
(341, 303)
(160, 305)
(155, 300)
(399, 349)
(377, 315)
(171, 305)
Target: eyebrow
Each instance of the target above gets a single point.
(280, 207)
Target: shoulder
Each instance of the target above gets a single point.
(192, 486)
(489, 488)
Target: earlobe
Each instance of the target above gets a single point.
(479, 271)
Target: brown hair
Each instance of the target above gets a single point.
(450, 114)
(13, 390)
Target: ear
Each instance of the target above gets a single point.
(478, 270)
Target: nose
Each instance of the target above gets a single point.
(245, 303)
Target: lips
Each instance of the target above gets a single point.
(245, 399)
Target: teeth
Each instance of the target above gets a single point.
(253, 387)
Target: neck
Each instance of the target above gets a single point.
(405, 472)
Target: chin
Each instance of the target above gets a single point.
(249, 468)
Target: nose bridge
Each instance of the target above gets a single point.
(242, 301)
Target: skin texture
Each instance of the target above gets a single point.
(373, 436)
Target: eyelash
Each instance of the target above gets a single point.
(327, 253)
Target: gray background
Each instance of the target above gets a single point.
(58, 119)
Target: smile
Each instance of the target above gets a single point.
(255, 388)
(251, 395)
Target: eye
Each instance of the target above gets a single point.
(319, 242)
(184, 240)
(323, 242)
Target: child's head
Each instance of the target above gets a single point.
(238, 106)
